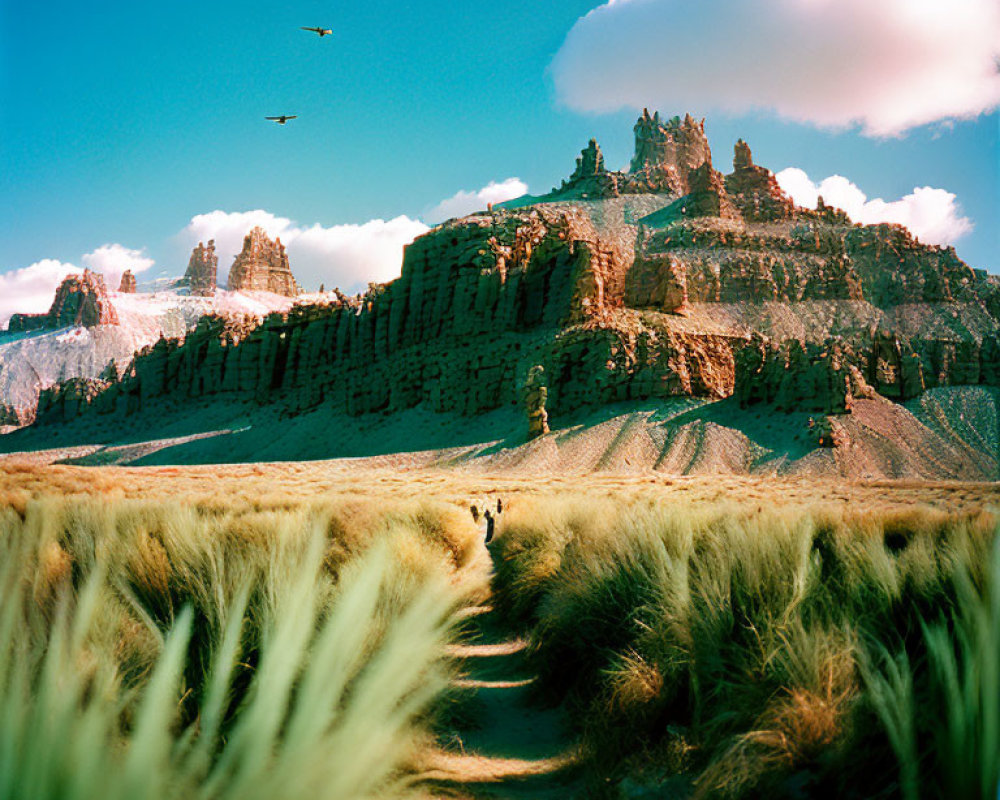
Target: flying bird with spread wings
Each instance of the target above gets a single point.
(321, 32)
(283, 118)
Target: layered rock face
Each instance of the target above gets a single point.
(202, 270)
(667, 280)
(262, 266)
(68, 400)
(80, 301)
(799, 377)
(474, 309)
(127, 285)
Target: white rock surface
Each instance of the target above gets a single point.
(33, 361)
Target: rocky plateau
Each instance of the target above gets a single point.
(669, 282)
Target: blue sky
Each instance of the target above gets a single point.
(122, 122)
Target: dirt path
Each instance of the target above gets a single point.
(506, 746)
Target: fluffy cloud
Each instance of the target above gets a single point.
(464, 202)
(888, 65)
(112, 260)
(31, 289)
(348, 256)
(932, 215)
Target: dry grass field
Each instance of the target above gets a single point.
(406, 476)
(254, 630)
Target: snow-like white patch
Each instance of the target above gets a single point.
(315, 298)
(152, 314)
(74, 336)
(29, 362)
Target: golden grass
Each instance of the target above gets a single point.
(223, 646)
(711, 623)
(739, 637)
(277, 486)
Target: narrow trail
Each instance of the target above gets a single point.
(506, 746)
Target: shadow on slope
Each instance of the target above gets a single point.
(948, 433)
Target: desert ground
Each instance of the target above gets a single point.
(406, 476)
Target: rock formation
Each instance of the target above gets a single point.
(127, 285)
(262, 266)
(202, 269)
(535, 395)
(590, 178)
(799, 376)
(755, 191)
(80, 300)
(666, 153)
(706, 195)
(68, 399)
(667, 280)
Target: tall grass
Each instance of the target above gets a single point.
(163, 650)
(962, 695)
(749, 650)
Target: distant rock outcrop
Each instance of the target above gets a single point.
(80, 301)
(591, 178)
(202, 269)
(127, 285)
(667, 155)
(262, 266)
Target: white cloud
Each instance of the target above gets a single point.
(348, 256)
(888, 65)
(463, 202)
(111, 260)
(932, 215)
(30, 290)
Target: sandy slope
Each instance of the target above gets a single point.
(947, 434)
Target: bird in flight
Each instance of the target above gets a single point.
(283, 118)
(321, 32)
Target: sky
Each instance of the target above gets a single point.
(129, 132)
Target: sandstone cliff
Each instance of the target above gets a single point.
(668, 280)
(127, 285)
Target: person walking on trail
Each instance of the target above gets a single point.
(487, 521)
(490, 525)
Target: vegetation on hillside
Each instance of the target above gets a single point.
(777, 653)
(152, 649)
(286, 639)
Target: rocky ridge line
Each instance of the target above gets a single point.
(670, 279)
